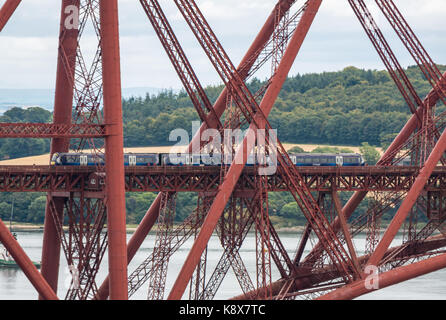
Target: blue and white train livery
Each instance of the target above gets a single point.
(182, 159)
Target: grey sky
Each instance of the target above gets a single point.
(28, 44)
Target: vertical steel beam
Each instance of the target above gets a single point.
(409, 200)
(151, 215)
(25, 263)
(63, 104)
(235, 170)
(7, 10)
(114, 150)
(387, 279)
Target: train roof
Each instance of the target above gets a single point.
(324, 154)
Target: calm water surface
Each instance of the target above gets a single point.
(15, 286)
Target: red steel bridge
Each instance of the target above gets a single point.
(85, 215)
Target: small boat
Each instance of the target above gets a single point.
(6, 260)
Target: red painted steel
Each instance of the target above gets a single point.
(63, 104)
(63, 180)
(388, 278)
(25, 263)
(6, 11)
(413, 45)
(244, 67)
(409, 201)
(71, 183)
(114, 156)
(180, 62)
(386, 159)
(235, 170)
(51, 130)
(385, 52)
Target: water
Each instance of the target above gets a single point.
(15, 286)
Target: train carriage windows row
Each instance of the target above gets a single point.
(166, 159)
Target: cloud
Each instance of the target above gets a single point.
(28, 44)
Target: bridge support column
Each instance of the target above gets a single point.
(63, 104)
(114, 154)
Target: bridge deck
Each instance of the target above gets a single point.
(206, 179)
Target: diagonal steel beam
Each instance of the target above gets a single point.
(259, 122)
(385, 160)
(409, 201)
(25, 263)
(388, 278)
(6, 11)
(244, 67)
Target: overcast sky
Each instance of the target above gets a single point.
(28, 44)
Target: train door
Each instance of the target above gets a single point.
(339, 160)
(293, 159)
(83, 160)
(132, 161)
(188, 159)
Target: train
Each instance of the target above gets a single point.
(184, 159)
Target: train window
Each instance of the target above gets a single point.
(308, 160)
(83, 160)
(300, 160)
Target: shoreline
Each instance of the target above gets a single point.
(27, 227)
(20, 227)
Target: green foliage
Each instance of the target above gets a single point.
(349, 107)
(296, 149)
(17, 148)
(338, 108)
(36, 210)
(326, 149)
(28, 207)
(138, 203)
(370, 154)
(386, 140)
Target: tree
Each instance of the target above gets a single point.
(326, 149)
(370, 154)
(36, 210)
(296, 149)
(387, 139)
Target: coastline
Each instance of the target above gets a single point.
(29, 227)
(20, 227)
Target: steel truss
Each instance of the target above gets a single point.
(85, 214)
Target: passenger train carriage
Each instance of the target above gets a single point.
(181, 159)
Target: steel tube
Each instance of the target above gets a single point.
(63, 105)
(409, 200)
(6, 11)
(235, 170)
(151, 215)
(413, 123)
(387, 279)
(25, 263)
(114, 154)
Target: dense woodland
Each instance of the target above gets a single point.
(350, 107)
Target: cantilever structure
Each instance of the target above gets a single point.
(232, 199)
